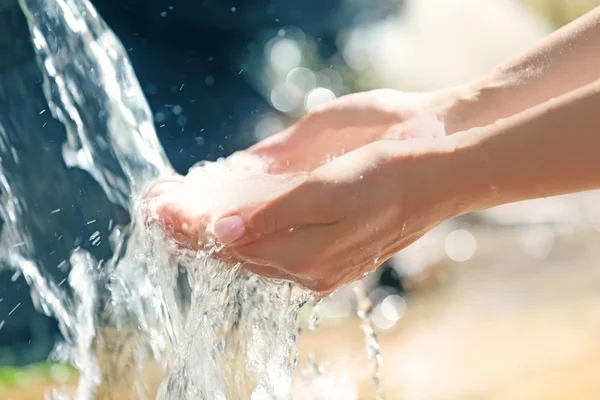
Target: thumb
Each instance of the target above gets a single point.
(307, 203)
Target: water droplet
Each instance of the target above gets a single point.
(163, 14)
(460, 245)
(14, 309)
(160, 117)
(233, 9)
(15, 276)
(182, 120)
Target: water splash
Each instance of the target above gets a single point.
(91, 88)
(364, 308)
(213, 330)
(133, 307)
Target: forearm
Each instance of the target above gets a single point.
(548, 150)
(565, 60)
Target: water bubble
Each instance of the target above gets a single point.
(182, 120)
(302, 78)
(537, 241)
(233, 9)
(331, 79)
(163, 14)
(267, 126)
(177, 109)
(318, 97)
(151, 88)
(387, 314)
(160, 117)
(285, 97)
(209, 80)
(285, 54)
(460, 245)
(199, 140)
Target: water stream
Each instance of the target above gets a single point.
(130, 304)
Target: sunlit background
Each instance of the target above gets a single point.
(499, 305)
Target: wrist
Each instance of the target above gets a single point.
(478, 103)
(429, 180)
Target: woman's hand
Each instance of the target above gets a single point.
(337, 223)
(350, 122)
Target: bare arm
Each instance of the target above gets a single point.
(565, 60)
(551, 149)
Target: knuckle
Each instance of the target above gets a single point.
(264, 222)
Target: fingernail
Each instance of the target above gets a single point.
(229, 229)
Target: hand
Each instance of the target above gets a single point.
(337, 223)
(350, 122)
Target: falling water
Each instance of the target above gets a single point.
(132, 306)
(364, 308)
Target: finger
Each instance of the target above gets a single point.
(272, 143)
(180, 221)
(296, 253)
(308, 203)
(285, 151)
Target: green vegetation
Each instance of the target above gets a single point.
(21, 376)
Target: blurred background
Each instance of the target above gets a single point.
(499, 305)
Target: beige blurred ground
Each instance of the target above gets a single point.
(502, 325)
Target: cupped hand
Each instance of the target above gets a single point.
(352, 121)
(335, 224)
